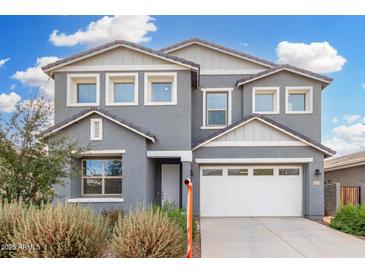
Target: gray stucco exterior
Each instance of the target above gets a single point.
(177, 127)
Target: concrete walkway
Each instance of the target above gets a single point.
(275, 238)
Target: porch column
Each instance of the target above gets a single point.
(186, 167)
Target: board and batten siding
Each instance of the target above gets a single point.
(121, 56)
(255, 132)
(211, 59)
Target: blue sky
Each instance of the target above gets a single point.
(28, 38)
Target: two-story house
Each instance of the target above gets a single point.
(245, 130)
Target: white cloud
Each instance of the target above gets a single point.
(319, 57)
(335, 120)
(3, 61)
(350, 119)
(124, 27)
(8, 101)
(35, 77)
(244, 44)
(347, 138)
(363, 85)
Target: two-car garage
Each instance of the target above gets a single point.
(251, 190)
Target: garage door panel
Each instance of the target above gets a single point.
(250, 195)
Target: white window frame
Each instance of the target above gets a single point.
(103, 177)
(109, 88)
(147, 88)
(73, 80)
(229, 106)
(309, 101)
(276, 91)
(92, 129)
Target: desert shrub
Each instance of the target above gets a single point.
(61, 232)
(112, 216)
(178, 215)
(10, 214)
(148, 233)
(350, 219)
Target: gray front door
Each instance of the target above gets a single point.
(170, 181)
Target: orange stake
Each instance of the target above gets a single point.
(189, 217)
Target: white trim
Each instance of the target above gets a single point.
(230, 71)
(53, 68)
(279, 70)
(252, 160)
(185, 155)
(267, 123)
(229, 106)
(92, 129)
(103, 115)
(217, 49)
(109, 91)
(254, 144)
(310, 99)
(109, 152)
(147, 88)
(119, 68)
(96, 200)
(71, 93)
(276, 91)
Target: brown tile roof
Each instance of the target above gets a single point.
(312, 142)
(346, 161)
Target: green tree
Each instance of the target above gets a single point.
(31, 166)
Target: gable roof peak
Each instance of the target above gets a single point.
(218, 47)
(114, 44)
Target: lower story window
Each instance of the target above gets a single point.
(102, 177)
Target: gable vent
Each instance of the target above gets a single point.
(96, 129)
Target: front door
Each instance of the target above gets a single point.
(170, 182)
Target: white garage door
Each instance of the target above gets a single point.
(251, 191)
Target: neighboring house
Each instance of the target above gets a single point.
(245, 130)
(348, 170)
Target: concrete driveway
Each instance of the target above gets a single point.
(275, 237)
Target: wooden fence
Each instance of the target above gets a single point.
(350, 195)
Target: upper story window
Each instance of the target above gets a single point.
(216, 107)
(83, 89)
(160, 89)
(298, 100)
(265, 100)
(121, 89)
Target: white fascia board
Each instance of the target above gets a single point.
(252, 160)
(120, 68)
(185, 155)
(230, 71)
(103, 152)
(96, 200)
(254, 144)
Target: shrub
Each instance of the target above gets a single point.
(350, 219)
(178, 215)
(112, 216)
(148, 233)
(61, 232)
(10, 214)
